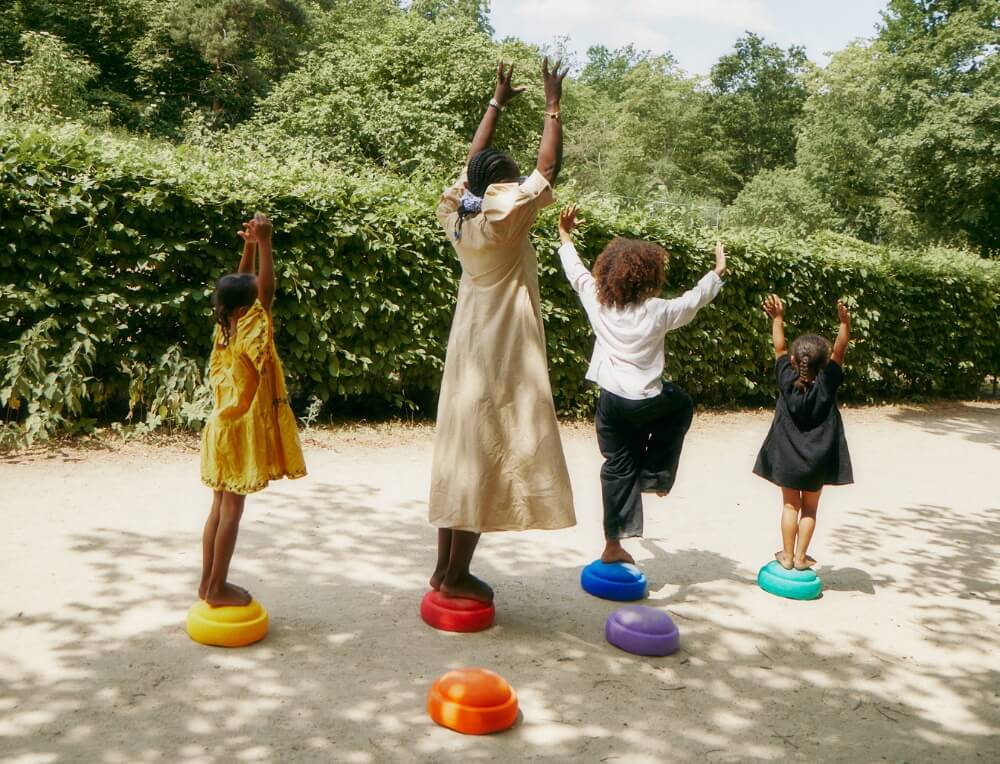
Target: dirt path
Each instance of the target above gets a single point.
(899, 660)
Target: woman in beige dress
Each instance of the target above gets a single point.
(498, 459)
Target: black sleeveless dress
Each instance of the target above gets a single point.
(805, 448)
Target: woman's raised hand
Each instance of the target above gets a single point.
(553, 83)
(505, 92)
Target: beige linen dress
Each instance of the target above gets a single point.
(498, 459)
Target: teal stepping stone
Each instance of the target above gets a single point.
(793, 584)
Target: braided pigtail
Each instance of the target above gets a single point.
(810, 353)
(803, 383)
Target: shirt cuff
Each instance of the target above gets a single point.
(535, 184)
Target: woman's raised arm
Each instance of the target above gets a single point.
(504, 93)
(551, 147)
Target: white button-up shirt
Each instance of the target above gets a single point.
(628, 344)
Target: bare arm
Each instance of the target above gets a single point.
(775, 308)
(843, 334)
(551, 148)
(265, 276)
(502, 95)
(248, 263)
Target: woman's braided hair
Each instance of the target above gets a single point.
(485, 168)
(811, 353)
(490, 166)
(232, 292)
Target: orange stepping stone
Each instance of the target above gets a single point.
(473, 701)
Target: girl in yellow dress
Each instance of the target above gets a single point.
(251, 436)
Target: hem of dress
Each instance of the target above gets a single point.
(242, 490)
(501, 528)
(797, 488)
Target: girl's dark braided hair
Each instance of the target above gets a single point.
(485, 168)
(232, 292)
(811, 353)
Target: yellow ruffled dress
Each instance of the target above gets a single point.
(251, 437)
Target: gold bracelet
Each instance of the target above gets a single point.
(553, 115)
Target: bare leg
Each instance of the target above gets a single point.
(792, 502)
(807, 525)
(220, 592)
(614, 552)
(444, 555)
(208, 543)
(458, 581)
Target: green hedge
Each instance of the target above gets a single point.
(109, 247)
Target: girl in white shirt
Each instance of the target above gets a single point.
(641, 421)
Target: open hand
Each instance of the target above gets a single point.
(569, 223)
(842, 313)
(720, 258)
(774, 307)
(505, 92)
(249, 233)
(553, 83)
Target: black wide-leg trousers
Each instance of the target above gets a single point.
(641, 441)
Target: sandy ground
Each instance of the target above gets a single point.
(899, 660)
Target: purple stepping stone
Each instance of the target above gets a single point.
(642, 630)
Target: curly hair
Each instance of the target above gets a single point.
(629, 271)
(811, 353)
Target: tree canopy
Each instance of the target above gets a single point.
(896, 140)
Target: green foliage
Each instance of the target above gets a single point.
(757, 99)
(784, 200)
(50, 84)
(392, 96)
(110, 247)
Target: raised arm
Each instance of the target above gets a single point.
(775, 308)
(248, 263)
(843, 334)
(577, 273)
(265, 276)
(550, 150)
(504, 93)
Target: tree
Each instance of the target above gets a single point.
(757, 97)
(50, 84)
(606, 69)
(391, 95)
(942, 71)
(782, 199)
(477, 11)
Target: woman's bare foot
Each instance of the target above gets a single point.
(784, 560)
(467, 586)
(661, 494)
(804, 563)
(229, 596)
(437, 578)
(614, 552)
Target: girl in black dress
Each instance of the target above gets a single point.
(805, 448)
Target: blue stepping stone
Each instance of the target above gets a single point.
(613, 581)
(643, 631)
(793, 584)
